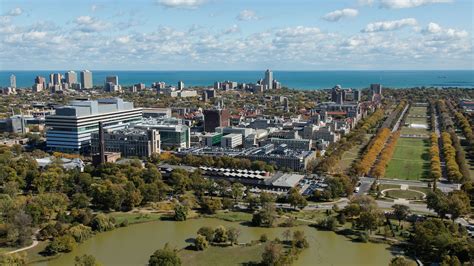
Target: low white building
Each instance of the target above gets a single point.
(231, 140)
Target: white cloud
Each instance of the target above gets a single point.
(439, 33)
(94, 8)
(246, 15)
(15, 12)
(365, 2)
(396, 4)
(123, 39)
(389, 25)
(339, 14)
(90, 24)
(187, 4)
(233, 29)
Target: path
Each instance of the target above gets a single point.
(34, 244)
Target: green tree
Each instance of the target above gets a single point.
(180, 212)
(295, 199)
(200, 243)
(401, 212)
(233, 235)
(165, 257)
(266, 216)
(401, 261)
(220, 235)
(207, 232)
(85, 260)
(102, 223)
(237, 191)
(210, 206)
(65, 243)
(299, 239)
(273, 254)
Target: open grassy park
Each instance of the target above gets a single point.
(410, 160)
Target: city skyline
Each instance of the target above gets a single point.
(237, 35)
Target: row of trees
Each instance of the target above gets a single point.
(385, 156)
(450, 157)
(356, 137)
(435, 160)
(363, 166)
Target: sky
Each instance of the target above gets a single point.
(236, 34)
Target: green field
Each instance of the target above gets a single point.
(416, 110)
(410, 160)
(349, 156)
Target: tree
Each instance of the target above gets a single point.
(102, 223)
(401, 212)
(165, 257)
(286, 234)
(401, 261)
(458, 204)
(233, 235)
(85, 260)
(237, 191)
(370, 219)
(299, 239)
(220, 235)
(272, 254)
(200, 243)
(207, 232)
(180, 212)
(65, 243)
(80, 232)
(16, 259)
(210, 206)
(265, 217)
(80, 200)
(296, 199)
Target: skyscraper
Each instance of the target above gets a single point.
(55, 79)
(180, 85)
(86, 79)
(13, 81)
(71, 77)
(112, 79)
(268, 79)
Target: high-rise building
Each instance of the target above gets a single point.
(13, 81)
(338, 94)
(71, 127)
(86, 79)
(112, 79)
(180, 85)
(129, 142)
(40, 80)
(71, 77)
(268, 81)
(216, 118)
(357, 95)
(55, 78)
(376, 89)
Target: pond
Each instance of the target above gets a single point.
(134, 244)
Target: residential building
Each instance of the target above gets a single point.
(268, 81)
(86, 79)
(13, 81)
(215, 118)
(112, 79)
(71, 127)
(180, 85)
(71, 77)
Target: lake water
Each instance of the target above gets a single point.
(133, 245)
(293, 79)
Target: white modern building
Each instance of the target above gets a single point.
(86, 79)
(231, 141)
(71, 127)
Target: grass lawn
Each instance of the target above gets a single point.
(416, 120)
(349, 156)
(404, 194)
(417, 110)
(410, 160)
(231, 216)
(236, 255)
(134, 218)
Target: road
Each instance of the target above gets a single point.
(366, 182)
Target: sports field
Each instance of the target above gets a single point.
(410, 160)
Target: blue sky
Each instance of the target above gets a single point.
(236, 35)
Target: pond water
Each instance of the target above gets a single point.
(134, 244)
